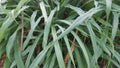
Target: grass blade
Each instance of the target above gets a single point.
(83, 49)
(58, 50)
(47, 28)
(115, 25)
(44, 13)
(32, 50)
(33, 26)
(18, 58)
(108, 7)
(79, 20)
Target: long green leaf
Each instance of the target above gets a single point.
(79, 20)
(115, 25)
(31, 51)
(47, 28)
(18, 58)
(83, 49)
(58, 50)
(33, 26)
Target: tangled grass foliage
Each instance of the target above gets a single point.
(60, 33)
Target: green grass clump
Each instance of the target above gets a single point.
(60, 33)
